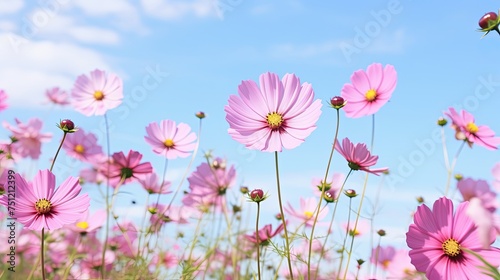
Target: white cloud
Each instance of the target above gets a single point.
(174, 9)
(30, 67)
(6, 25)
(10, 6)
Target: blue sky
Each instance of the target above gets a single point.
(201, 51)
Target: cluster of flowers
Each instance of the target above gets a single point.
(277, 114)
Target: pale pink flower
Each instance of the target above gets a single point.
(165, 258)
(97, 94)
(171, 140)
(358, 156)
(383, 256)
(332, 186)
(39, 205)
(124, 242)
(369, 90)
(279, 114)
(479, 134)
(362, 227)
(496, 176)
(151, 183)
(82, 146)
(97, 172)
(29, 138)
(3, 100)
(126, 169)
(162, 214)
(470, 188)
(265, 234)
(89, 223)
(401, 268)
(57, 96)
(484, 220)
(305, 213)
(437, 239)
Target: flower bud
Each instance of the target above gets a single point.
(488, 20)
(381, 232)
(420, 199)
(278, 217)
(244, 189)
(200, 115)
(350, 193)
(442, 121)
(153, 210)
(360, 261)
(458, 176)
(67, 126)
(257, 195)
(337, 102)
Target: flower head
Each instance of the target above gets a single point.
(383, 256)
(98, 93)
(39, 205)
(89, 223)
(437, 240)
(28, 137)
(82, 146)
(264, 234)
(307, 210)
(127, 168)
(279, 114)
(57, 96)
(358, 156)
(171, 140)
(468, 130)
(488, 22)
(369, 90)
(151, 183)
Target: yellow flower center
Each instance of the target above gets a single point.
(385, 263)
(169, 143)
(308, 214)
(43, 206)
(472, 128)
(82, 225)
(371, 95)
(79, 149)
(274, 120)
(451, 247)
(354, 232)
(98, 95)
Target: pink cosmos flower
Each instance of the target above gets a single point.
(265, 234)
(57, 96)
(171, 140)
(39, 205)
(89, 223)
(212, 181)
(383, 256)
(437, 239)
(369, 90)
(165, 258)
(3, 100)
(127, 168)
(401, 268)
(362, 227)
(29, 138)
(470, 188)
(484, 220)
(358, 156)
(150, 182)
(481, 135)
(278, 114)
(98, 93)
(82, 146)
(332, 187)
(306, 211)
(496, 176)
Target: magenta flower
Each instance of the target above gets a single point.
(481, 135)
(358, 157)
(278, 114)
(470, 188)
(171, 140)
(437, 239)
(28, 138)
(383, 256)
(98, 93)
(3, 100)
(89, 223)
(369, 90)
(39, 205)
(126, 169)
(82, 146)
(57, 96)
(265, 234)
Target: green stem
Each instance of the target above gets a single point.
(42, 253)
(57, 152)
(106, 235)
(321, 198)
(287, 241)
(258, 238)
(345, 237)
(452, 167)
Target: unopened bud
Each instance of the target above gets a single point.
(350, 193)
(442, 121)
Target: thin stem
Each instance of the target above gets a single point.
(376, 257)
(42, 253)
(321, 197)
(258, 239)
(57, 152)
(287, 242)
(345, 237)
(108, 206)
(358, 214)
(452, 167)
